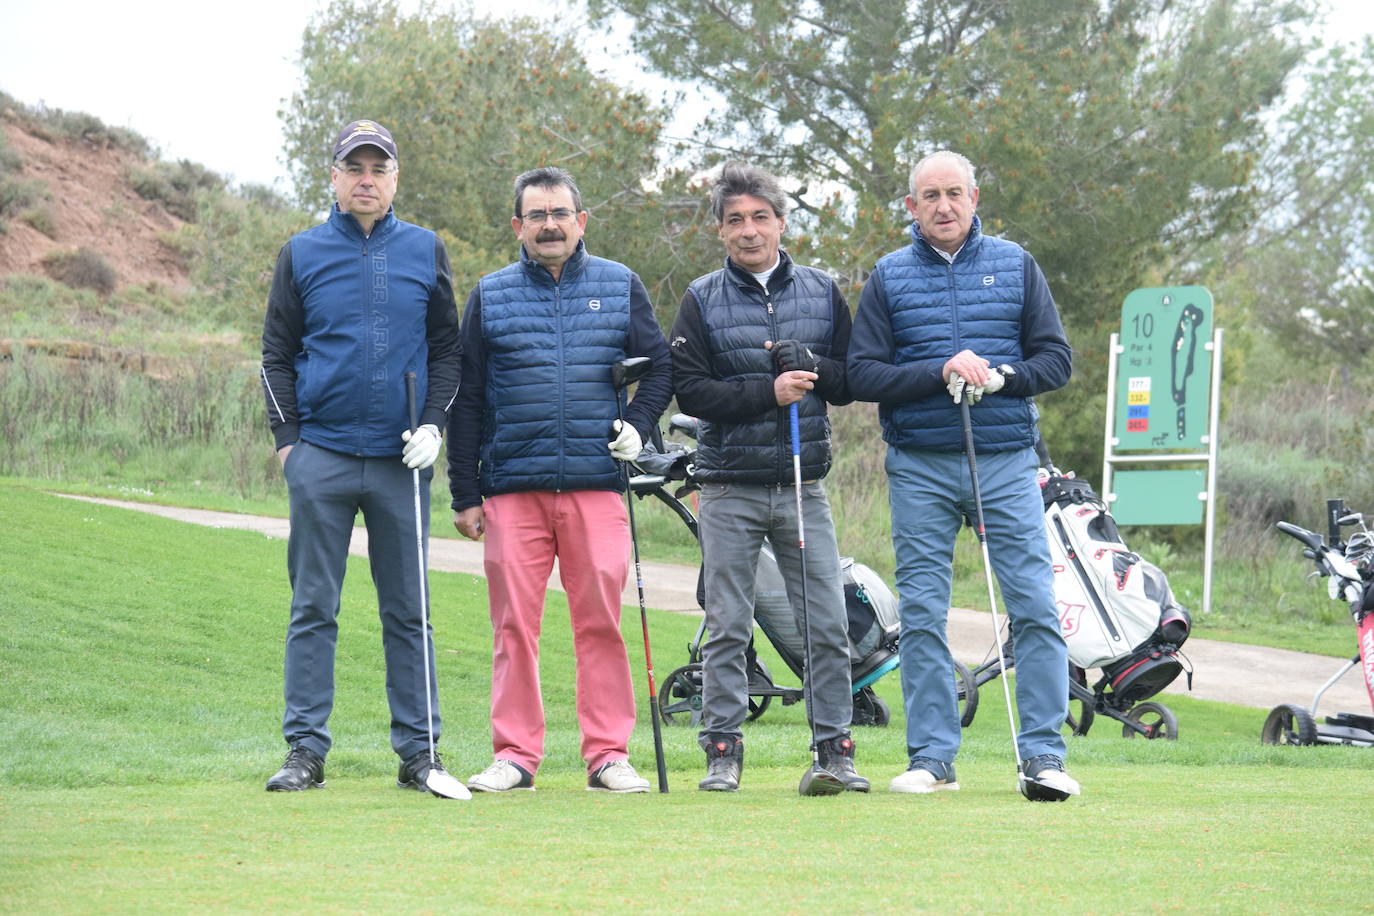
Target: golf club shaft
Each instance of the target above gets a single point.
(424, 583)
(659, 759)
(795, 423)
(987, 571)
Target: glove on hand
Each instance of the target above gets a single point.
(996, 379)
(422, 448)
(790, 355)
(625, 444)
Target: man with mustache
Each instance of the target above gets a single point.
(534, 440)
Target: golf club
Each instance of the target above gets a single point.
(625, 373)
(817, 780)
(438, 782)
(1022, 783)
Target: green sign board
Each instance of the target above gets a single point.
(1159, 497)
(1164, 371)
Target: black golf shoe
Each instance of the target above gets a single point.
(837, 756)
(415, 769)
(303, 769)
(724, 761)
(1045, 779)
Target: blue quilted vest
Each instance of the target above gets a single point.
(550, 347)
(739, 316)
(365, 300)
(938, 309)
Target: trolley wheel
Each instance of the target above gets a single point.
(870, 709)
(1081, 713)
(966, 689)
(1159, 721)
(758, 677)
(1288, 724)
(679, 699)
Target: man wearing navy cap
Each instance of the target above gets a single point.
(356, 303)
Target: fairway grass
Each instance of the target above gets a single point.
(140, 710)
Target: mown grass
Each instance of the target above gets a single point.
(141, 660)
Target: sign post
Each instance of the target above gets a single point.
(1163, 399)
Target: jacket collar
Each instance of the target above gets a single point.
(927, 251)
(348, 224)
(745, 280)
(576, 263)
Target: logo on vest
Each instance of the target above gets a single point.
(989, 280)
(594, 304)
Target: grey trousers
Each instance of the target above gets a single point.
(327, 491)
(734, 520)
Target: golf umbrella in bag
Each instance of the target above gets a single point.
(1116, 610)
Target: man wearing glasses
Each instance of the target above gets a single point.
(356, 303)
(534, 441)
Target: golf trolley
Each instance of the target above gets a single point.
(1348, 567)
(872, 608)
(1116, 611)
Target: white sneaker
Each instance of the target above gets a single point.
(925, 776)
(616, 776)
(501, 776)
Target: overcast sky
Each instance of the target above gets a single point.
(204, 81)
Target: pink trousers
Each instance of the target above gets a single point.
(588, 531)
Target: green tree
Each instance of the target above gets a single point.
(473, 103)
(1108, 135)
(1304, 272)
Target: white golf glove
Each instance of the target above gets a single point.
(422, 448)
(996, 379)
(626, 445)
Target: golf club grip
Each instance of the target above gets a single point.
(972, 464)
(410, 399)
(796, 428)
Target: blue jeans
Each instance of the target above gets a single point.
(930, 496)
(327, 490)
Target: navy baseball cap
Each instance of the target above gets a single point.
(364, 133)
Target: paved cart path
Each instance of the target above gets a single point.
(1230, 672)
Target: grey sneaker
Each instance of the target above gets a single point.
(616, 776)
(926, 775)
(724, 763)
(501, 776)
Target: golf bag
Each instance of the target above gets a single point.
(871, 608)
(1116, 610)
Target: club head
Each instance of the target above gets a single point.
(626, 372)
(819, 781)
(446, 785)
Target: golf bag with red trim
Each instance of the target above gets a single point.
(1116, 610)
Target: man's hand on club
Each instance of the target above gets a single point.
(959, 387)
(791, 387)
(422, 448)
(790, 355)
(625, 444)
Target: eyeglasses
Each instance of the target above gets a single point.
(561, 215)
(355, 171)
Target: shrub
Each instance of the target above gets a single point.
(41, 218)
(84, 268)
(175, 185)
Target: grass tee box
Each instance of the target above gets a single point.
(140, 714)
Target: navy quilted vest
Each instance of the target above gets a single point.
(938, 309)
(550, 347)
(737, 319)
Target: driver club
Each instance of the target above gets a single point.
(817, 780)
(625, 373)
(439, 782)
(1028, 787)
